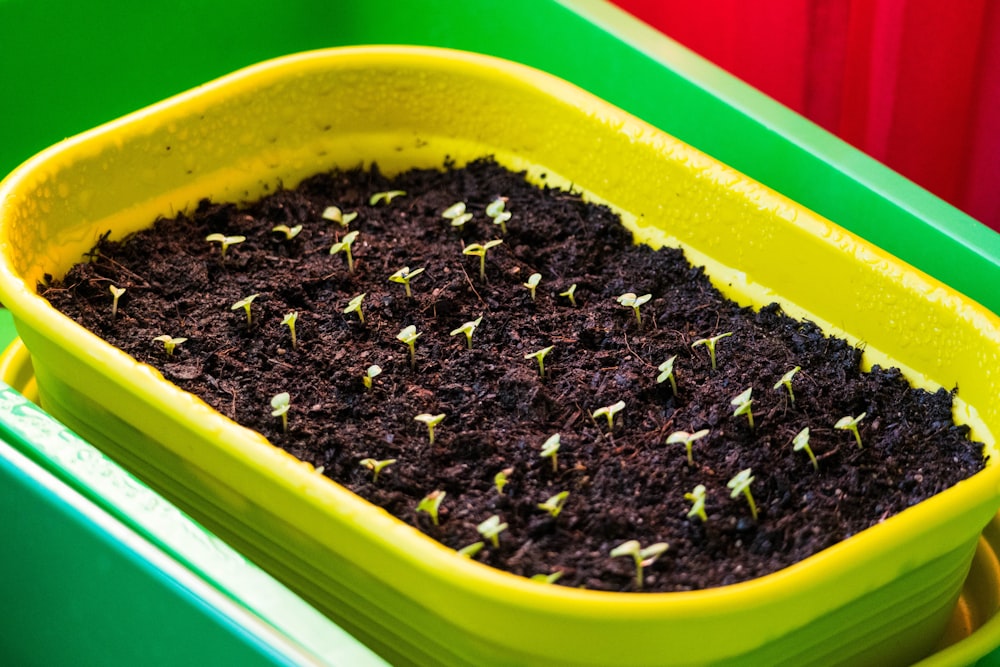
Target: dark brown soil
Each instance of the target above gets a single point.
(623, 485)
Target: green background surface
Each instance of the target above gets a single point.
(69, 66)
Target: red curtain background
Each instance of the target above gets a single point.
(913, 83)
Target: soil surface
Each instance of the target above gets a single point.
(624, 484)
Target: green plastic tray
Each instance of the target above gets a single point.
(94, 543)
(58, 80)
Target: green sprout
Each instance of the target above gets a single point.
(431, 504)
(225, 241)
(800, 442)
(742, 404)
(169, 343)
(667, 373)
(851, 424)
(710, 343)
(409, 336)
(547, 578)
(500, 479)
(550, 450)
(570, 294)
(385, 197)
(116, 293)
(371, 373)
(554, 504)
(540, 357)
(609, 411)
(245, 305)
(495, 210)
(404, 276)
(289, 321)
(345, 245)
(376, 466)
(491, 529)
(697, 500)
(786, 380)
(354, 306)
(334, 214)
(687, 439)
(643, 557)
(431, 421)
(532, 283)
(471, 550)
(289, 232)
(741, 484)
(280, 404)
(479, 250)
(468, 328)
(456, 213)
(630, 300)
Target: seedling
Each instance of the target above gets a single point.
(786, 380)
(431, 504)
(289, 232)
(554, 504)
(687, 439)
(468, 328)
(643, 557)
(345, 245)
(742, 404)
(376, 466)
(550, 450)
(169, 343)
(570, 294)
(225, 241)
(609, 411)
(479, 250)
(532, 283)
(280, 404)
(116, 293)
(491, 529)
(431, 421)
(409, 336)
(495, 210)
(697, 499)
(471, 550)
(289, 321)
(547, 578)
(801, 441)
(710, 343)
(667, 373)
(741, 484)
(371, 373)
(630, 300)
(334, 214)
(851, 424)
(404, 276)
(500, 479)
(457, 215)
(539, 356)
(245, 305)
(354, 306)
(385, 197)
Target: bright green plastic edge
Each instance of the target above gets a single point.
(284, 629)
(66, 563)
(70, 83)
(614, 158)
